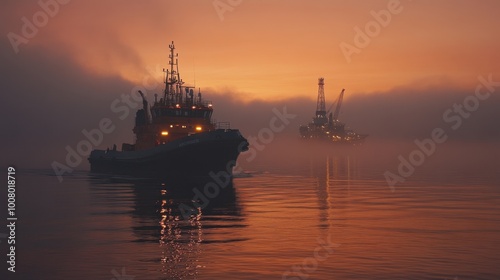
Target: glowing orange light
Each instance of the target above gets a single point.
(164, 133)
(198, 128)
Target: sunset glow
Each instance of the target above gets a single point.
(275, 50)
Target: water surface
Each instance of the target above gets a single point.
(327, 217)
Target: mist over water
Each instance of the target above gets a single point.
(452, 161)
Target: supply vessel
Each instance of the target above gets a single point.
(329, 128)
(174, 136)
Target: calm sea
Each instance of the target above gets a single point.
(327, 216)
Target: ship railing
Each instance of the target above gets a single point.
(222, 125)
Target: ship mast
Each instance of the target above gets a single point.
(173, 82)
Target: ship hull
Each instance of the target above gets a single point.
(194, 155)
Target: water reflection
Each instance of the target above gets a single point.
(335, 176)
(157, 216)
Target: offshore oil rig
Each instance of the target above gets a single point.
(329, 128)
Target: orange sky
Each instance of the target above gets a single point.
(274, 49)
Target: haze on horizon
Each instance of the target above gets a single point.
(249, 59)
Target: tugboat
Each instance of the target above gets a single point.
(176, 136)
(329, 128)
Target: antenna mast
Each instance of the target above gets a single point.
(171, 77)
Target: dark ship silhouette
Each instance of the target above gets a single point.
(329, 128)
(175, 136)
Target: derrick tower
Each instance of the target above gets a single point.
(320, 118)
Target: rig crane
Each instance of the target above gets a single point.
(337, 109)
(339, 104)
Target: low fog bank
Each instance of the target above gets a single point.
(401, 114)
(403, 123)
(452, 160)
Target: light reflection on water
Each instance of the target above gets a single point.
(265, 224)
